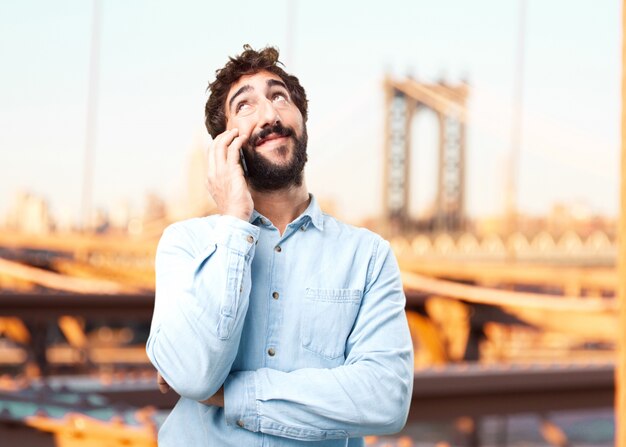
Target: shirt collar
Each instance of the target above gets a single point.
(313, 212)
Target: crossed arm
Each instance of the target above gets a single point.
(369, 394)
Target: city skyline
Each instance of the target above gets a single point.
(152, 95)
(33, 214)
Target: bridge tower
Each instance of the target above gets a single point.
(404, 98)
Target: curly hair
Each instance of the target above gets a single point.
(248, 62)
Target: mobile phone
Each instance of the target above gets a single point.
(242, 160)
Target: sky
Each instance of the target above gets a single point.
(157, 56)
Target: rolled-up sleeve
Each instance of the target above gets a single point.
(369, 394)
(200, 304)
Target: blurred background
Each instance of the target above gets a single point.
(482, 138)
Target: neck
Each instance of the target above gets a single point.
(282, 206)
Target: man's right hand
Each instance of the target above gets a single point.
(226, 182)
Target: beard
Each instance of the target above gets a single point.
(265, 175)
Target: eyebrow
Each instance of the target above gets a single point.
(275, 82)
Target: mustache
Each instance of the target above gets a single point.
(277, 129)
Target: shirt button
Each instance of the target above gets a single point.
(278, 249)
(250, 239)
(271, 352)
(240, 423)
(263, 221)
(275, 295)
(302, 228)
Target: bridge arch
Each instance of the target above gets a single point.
(403, 99)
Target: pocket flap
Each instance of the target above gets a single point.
(340, 295)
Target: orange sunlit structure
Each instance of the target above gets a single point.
(586, 317)
(90, 269)
(620, 378)
(54, 415)
(571, 280)
(80, 243)
(62, 282)
(75, 430)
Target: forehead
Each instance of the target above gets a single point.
(256, 81)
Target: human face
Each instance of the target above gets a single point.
(255, 103)
(260, 106)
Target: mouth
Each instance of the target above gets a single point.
(271, 138)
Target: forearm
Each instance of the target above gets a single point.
(310, 404)
(201, 304)
(193, 360)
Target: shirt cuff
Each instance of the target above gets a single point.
(236, 234)
(240, 407)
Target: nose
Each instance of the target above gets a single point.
(268, 115)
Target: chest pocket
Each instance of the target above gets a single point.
(327, 318)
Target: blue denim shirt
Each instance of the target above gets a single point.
(306, 331)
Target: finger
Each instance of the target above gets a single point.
(222, 147)
(232, 155)
(163, 385)
(214, 158)
(160, 379)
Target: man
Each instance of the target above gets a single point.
(275, 323)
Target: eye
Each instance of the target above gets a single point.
(242, 106)
(279, 97)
